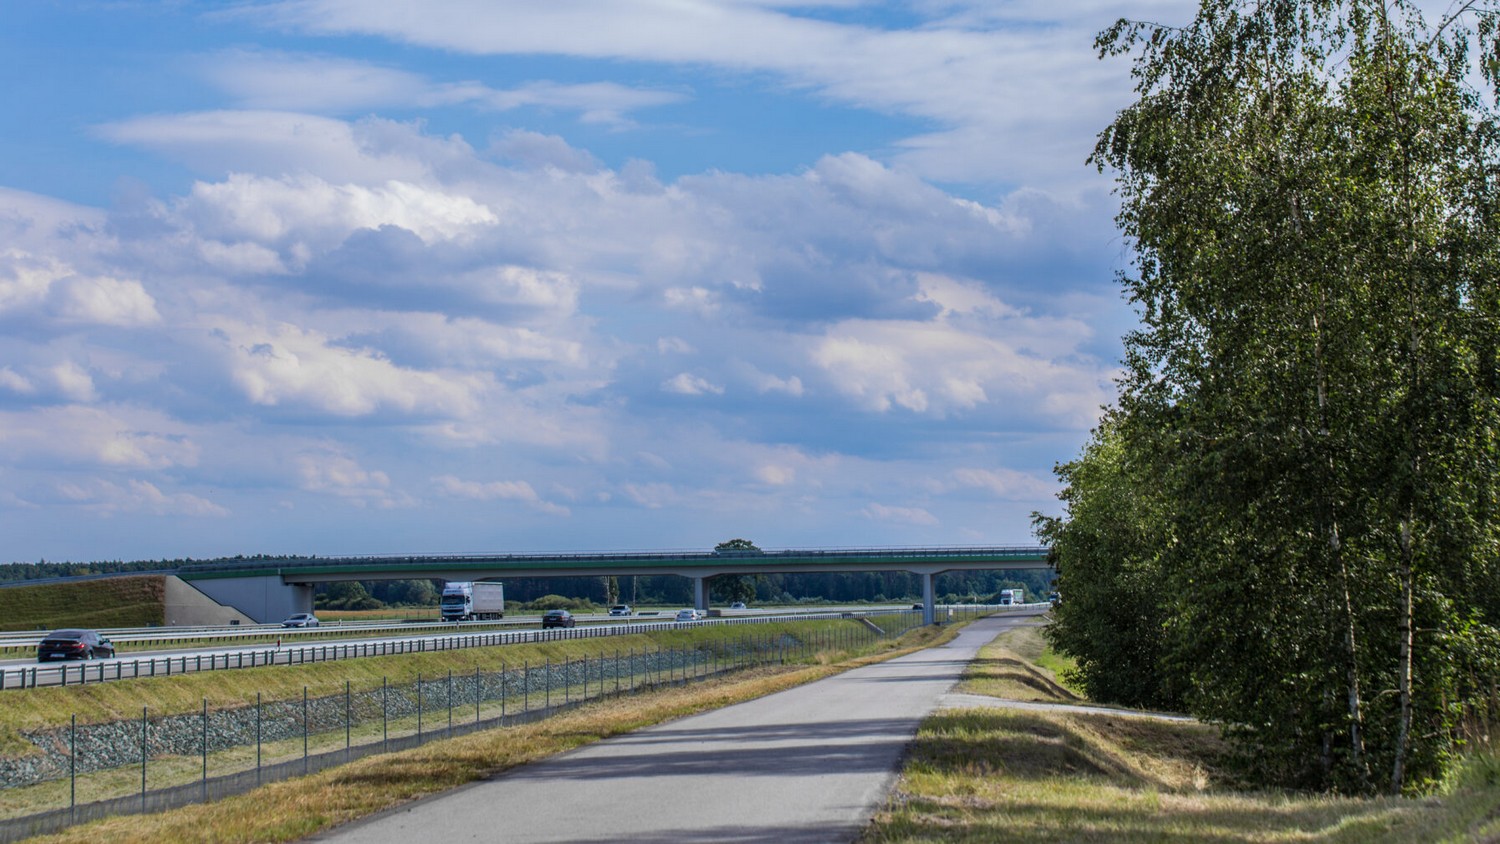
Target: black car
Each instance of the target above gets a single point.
(558, 618)
(74, 644)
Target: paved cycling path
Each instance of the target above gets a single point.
(810, 764)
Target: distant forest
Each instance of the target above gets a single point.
(835, 587)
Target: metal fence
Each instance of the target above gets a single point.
(196, 757)
(128, 668)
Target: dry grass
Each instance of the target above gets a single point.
(1008, 668)
(996, 775)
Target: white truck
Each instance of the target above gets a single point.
(1012, 597)
(466, 600)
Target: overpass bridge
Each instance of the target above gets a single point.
(270, 589)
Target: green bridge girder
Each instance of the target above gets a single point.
(699, 564)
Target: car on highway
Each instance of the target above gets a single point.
(737, 605)
(301, 619)
(558, 618)
(621, 610)
(688, 615)
(74, 644)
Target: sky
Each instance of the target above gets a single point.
(475, 276)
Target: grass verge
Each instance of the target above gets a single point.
(997, 775)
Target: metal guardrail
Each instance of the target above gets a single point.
(128, 668)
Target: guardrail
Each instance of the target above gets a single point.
(128, 668)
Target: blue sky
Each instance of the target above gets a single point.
(327, 276)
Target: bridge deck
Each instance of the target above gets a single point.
(687, 563)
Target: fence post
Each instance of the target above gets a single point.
(450, 703)
(73, 770)
(548, 698)
(478, 688)
(347, 733)
(143, 760)
(257, 738)
(385, 720)
(526, 687)
(617, 670)
(419, 707)
(305, 729)
(502, 692)
(203, 790)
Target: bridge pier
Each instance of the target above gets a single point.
(929, 612)
(264, 599)
(700, 594)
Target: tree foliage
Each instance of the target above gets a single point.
(1303, 459)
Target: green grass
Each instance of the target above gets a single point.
(109, 602)
(997, 775)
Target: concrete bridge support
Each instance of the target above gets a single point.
(700, 594)
(265, 599)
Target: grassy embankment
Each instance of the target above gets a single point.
(293, 809)
(109, 602)
(997, 775)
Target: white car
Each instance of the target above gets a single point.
(621, 610)
(688, 615)
(301, 619)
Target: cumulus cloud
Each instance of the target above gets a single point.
(45, 287)
(497, 491)
(340, 475)
(286, 365)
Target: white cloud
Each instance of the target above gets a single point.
(42, 286)
(1007, 484)
(102, 437)
(137, 496)
(688, 384)
(901, 515)
(342, 476)
(311, 211)
(287, 365)
(497, 490)
(776, 475)
(937, 368)
(367, 151)
(15, 382)
(992, 80)
(276, 81)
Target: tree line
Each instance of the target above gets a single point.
(1287, 524)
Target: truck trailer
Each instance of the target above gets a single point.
(1012, 597)
(467, 601)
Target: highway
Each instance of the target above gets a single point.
(810, 764)
(293, 647)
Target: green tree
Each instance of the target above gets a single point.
(1310, 189)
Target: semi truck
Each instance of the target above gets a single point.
(470, 600)
(1012, 597)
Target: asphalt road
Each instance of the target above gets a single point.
(811, 764)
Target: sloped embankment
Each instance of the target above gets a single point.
(108, 602)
